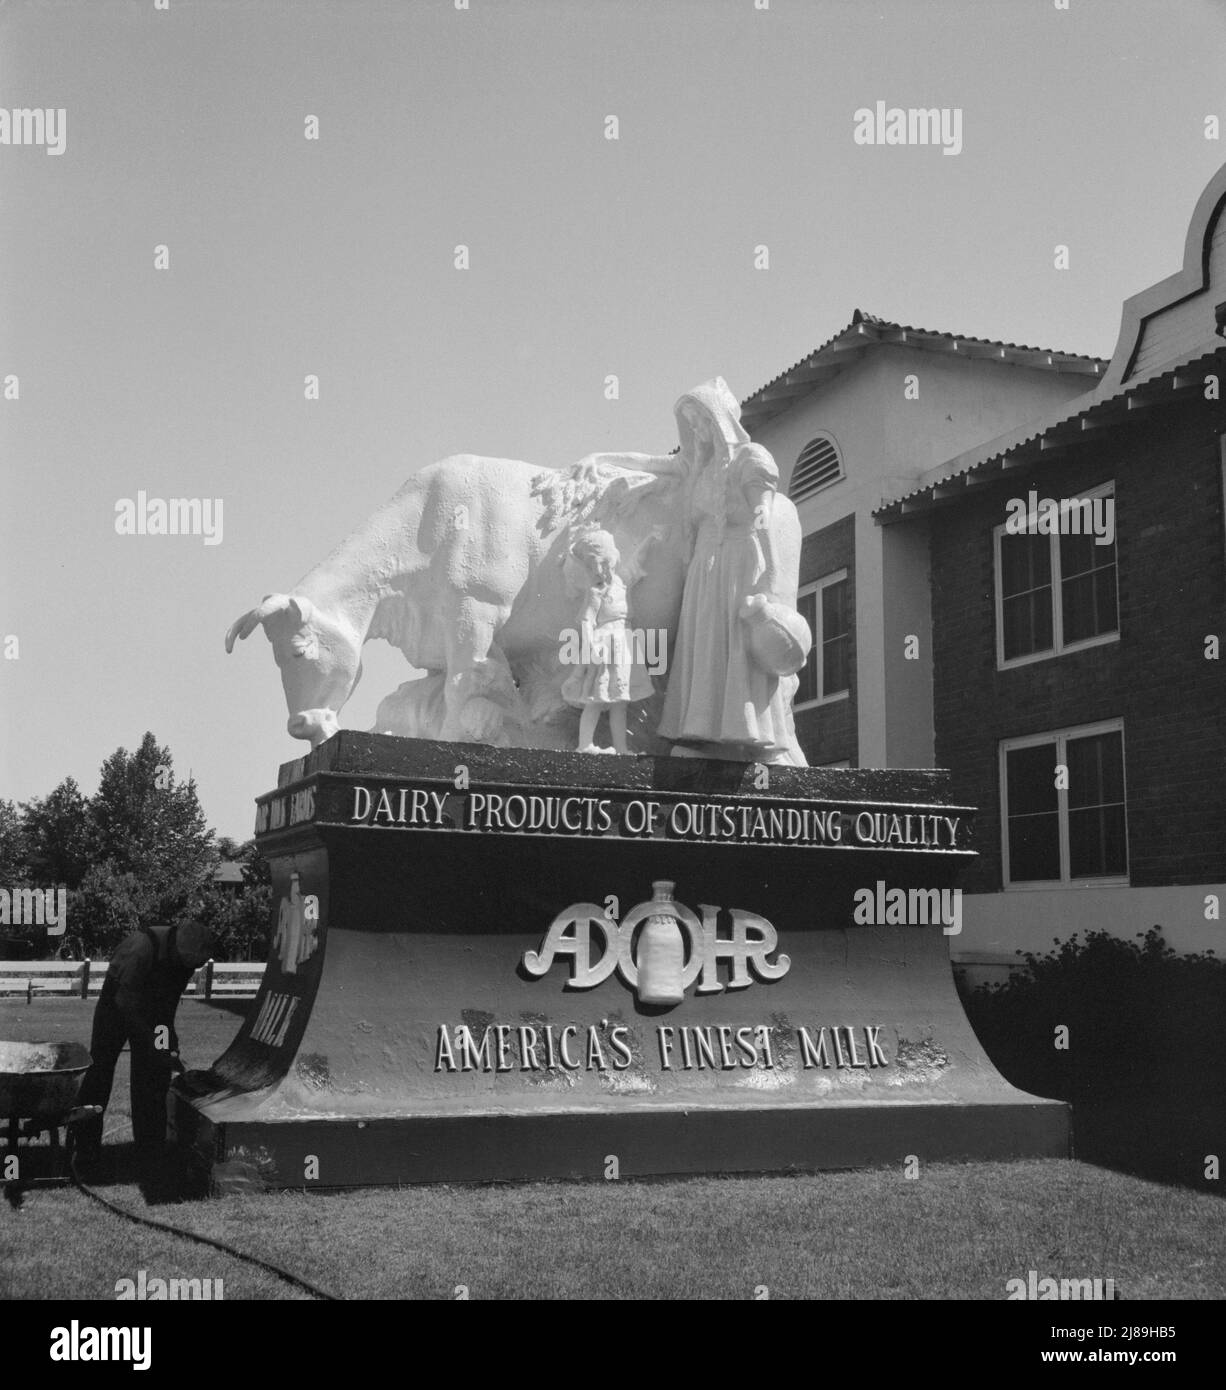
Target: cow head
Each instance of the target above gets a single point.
(320, 660)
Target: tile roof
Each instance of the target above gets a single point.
(1168, 383)
(868, 330)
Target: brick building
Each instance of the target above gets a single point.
(1073, 682)
(866, 415)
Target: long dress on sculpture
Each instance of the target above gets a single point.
(717, 692)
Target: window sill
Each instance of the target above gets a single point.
(1105, 640)
(1054, 884)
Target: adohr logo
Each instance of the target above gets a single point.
(675, 949)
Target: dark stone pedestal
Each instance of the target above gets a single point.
(452, 991)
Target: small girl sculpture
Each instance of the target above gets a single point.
(609, 674)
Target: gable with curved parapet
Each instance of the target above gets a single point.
(1178, 317)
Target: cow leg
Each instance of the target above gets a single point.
(413, 710)
(476, 669)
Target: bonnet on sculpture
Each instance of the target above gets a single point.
(714, 406)
(709, 427)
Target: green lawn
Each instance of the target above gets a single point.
(957, 1231)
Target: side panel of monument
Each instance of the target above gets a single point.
(466, 942)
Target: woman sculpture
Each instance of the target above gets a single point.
(739, 639)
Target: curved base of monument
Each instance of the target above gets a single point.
(452, 992)
(245, 1156)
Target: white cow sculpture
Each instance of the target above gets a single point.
(464, 571)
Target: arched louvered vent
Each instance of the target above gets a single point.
(819, 465)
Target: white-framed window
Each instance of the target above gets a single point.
(826, 607)
(1054, 593)
(818, 465)
(1063, 810)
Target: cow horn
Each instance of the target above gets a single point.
(272, 603)
(303, 607)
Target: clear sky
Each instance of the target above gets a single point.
(588, 257)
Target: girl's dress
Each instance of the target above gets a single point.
(612, 676)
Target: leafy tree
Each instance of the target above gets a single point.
(255, 866)
(240, 920)
(147, 823)
(108, 905)
(144, 853)
(57, 836)
(14, 866)
(138, 852)
(228, 850)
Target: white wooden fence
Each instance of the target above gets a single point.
(83, 979)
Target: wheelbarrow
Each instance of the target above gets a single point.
(39, 1082)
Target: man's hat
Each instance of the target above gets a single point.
(194, 942)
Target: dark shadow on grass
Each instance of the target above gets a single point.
(1167, 1139)
(167, 1182)
(118, 1166)
(161, 1179)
